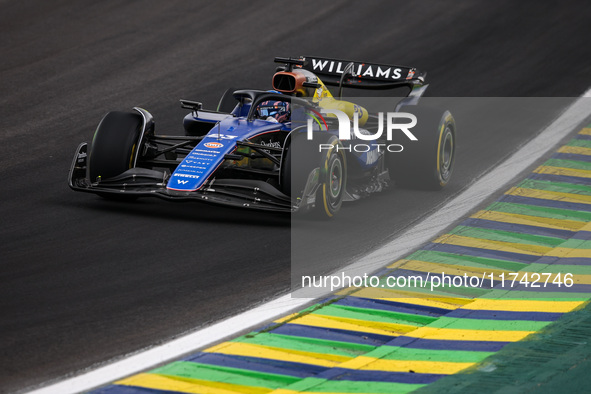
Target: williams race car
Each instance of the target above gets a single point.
(288, 149)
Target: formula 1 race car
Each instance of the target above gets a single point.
(288, 149)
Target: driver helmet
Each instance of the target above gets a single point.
(274, 111)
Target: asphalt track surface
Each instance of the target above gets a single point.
(84, 280)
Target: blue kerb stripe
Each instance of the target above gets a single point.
(478, 252)
(391, 306)
(518, 228)
(379, 376)
(561, 178)
(584, 235)
(504, 315)
(539, 202)
(332, 334)
(572, 156)
(256, 364)
(441, 344)
(583, 137)
(564, 260)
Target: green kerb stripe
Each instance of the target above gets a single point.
(374, 315)
(464, 260)
(192, 370)
(556, 187)
(559, 268)
(488, 324)
(347, 386)
(501, 293)
(307, 344)
(583, 143)
(506, 236)
(577, 244)
(390, 315)
(545, 212)
(577, 165)
(455, 356)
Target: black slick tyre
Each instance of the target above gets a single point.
(114, 146)
(427, 163)
(333, 180)
(302, 157)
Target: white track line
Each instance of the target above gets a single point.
(413, 238)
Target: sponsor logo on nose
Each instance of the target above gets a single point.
(213, 145)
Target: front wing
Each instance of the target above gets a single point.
(136, 182)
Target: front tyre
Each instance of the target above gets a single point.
(114, 145)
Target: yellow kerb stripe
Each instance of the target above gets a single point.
(448, 269)
(436, 367)
(550, 195)
(569, 252)
(512, 247)
(515, 218)
(563, 171)
(524, 305)
(320, 321)
(394, 328)
(468, 335)
(195, 386)
(577, 150)
(296, 356)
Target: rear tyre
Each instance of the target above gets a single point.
(427, 163)
(114, 146)
(301, 158)
(333, 181)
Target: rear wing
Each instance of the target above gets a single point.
(357, 74)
